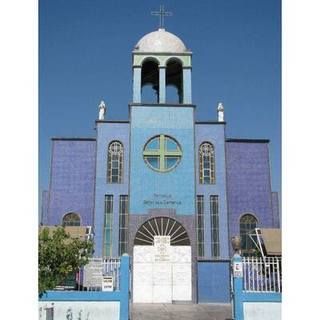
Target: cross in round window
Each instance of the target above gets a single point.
(162, 153)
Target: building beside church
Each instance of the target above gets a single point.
(168, 190)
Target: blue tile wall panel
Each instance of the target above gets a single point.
(213, 282)
(72, 181)
(275, 210)
(248, 184)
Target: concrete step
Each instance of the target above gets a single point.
(179, 311)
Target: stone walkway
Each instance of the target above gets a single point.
(141, 311)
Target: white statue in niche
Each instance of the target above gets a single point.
(102, 110)
(220, 110)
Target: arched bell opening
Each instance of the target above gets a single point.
(150, 81)
(174, 81)
(162, 226)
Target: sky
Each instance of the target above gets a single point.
(85, 56)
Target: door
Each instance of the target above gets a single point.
(161, 267)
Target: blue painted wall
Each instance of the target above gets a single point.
(178, 184)
(214, 133)
(107, 132)
(248, 183)
(214, 281)
(72, 180)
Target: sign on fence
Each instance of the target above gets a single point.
(237, 269)
(92, 273)
(107, 283)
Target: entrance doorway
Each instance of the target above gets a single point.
(162, 262)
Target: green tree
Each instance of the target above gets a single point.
(59, 255)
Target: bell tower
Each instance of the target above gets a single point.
(162, 168)
(161, 69)
(162, 127)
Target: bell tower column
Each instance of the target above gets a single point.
(187, 98)
(137, 84)
(162, 84)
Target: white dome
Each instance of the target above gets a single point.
(160, 41)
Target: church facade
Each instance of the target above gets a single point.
(168, 190)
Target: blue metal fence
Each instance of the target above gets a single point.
(122, 295)
(253, 284)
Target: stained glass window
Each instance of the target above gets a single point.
(115, 162)
(162, 153)
(108, 222)
(200, 225)
(123, 224)
(214, 220)
(206, 163)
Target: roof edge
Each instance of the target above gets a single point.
(248, 140)
(210, 122)
(73, 139)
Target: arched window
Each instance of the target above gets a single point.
(115, 162)
(247, 225)
(174, 81)
(206, 163)
(71, 219)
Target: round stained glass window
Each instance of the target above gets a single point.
(162, 153)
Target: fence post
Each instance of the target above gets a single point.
(237, 275)
(124, 286)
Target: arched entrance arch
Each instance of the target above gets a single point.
(162, 262)
(162, 226)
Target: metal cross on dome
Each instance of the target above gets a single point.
(161, 13)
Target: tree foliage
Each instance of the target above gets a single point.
(59, 255)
